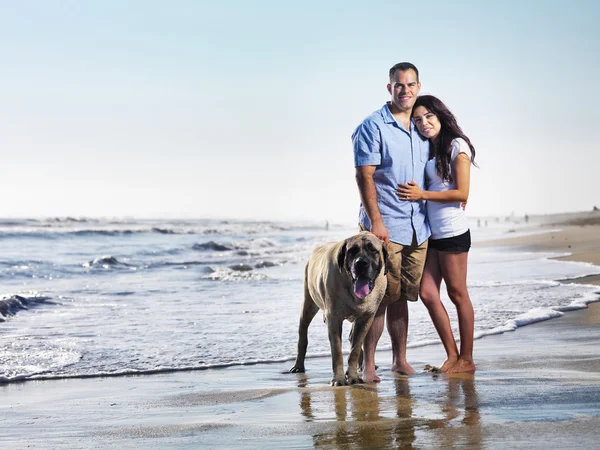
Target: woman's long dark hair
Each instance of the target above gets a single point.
(442, 144)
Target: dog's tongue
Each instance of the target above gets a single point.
(361, 287)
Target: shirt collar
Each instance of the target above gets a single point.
(387, 114)
(389, 118)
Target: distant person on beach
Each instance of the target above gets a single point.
(447, 177)
(388, 150)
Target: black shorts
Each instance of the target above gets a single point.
(458, 244)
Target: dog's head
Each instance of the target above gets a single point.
(363, 256)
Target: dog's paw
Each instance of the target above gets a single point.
(353, 378)
(297, 369)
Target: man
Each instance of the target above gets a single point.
(387, 151)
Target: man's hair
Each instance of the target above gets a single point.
(403, 66)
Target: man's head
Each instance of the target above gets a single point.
(404, 86)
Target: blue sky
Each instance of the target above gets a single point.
(245, 109)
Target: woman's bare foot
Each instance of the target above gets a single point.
(450, 361)
(462, 366)
(403, 369)
(370, 377)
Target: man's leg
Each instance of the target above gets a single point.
(397, 324)
(412, 262)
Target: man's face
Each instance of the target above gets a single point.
(404, 89)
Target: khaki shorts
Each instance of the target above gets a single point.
(405, 268)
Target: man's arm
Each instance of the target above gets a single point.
(368, 197)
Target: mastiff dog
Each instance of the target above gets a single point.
(347, 281)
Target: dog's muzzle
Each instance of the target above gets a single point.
(363, 282)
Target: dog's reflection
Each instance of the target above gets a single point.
(363, 417)
(367, 416)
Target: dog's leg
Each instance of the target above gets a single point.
(309, 310)
(359, 331)
(334, 328)
(360, 352)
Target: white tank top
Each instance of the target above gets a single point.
(446, 219)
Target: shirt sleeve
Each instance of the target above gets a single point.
(366, 140)
(460, 146)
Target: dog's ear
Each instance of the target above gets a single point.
(385, 257)
(341, 257)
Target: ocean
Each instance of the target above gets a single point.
(86, 298)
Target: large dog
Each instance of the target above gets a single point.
(346, 280)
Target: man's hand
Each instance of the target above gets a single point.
(380, 231)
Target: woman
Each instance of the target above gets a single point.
(447, 174)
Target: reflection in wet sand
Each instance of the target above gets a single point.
(365, 418)
(305, 406)
(461, 426)
(369, 416)
(404, 430)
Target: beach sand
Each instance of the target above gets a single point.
(536, 387)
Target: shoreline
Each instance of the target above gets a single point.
(586, 279)
(535, 386)
(580, 242)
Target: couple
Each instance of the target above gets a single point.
(412, 169)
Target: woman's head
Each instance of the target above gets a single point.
(433, 117)
(436, 123)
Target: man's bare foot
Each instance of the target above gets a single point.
(462, 366)
(369, 376)
(450, 361)
(403, 369)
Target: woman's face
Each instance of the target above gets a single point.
(427, 123)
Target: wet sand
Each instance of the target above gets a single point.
(575, 233)
(536, 387)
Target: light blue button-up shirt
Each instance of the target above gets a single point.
(400, 157)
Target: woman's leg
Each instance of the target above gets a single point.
(454, 271)
(430, 296)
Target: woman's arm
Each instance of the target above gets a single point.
(462, 174)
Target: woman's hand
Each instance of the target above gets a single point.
(410, 191)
